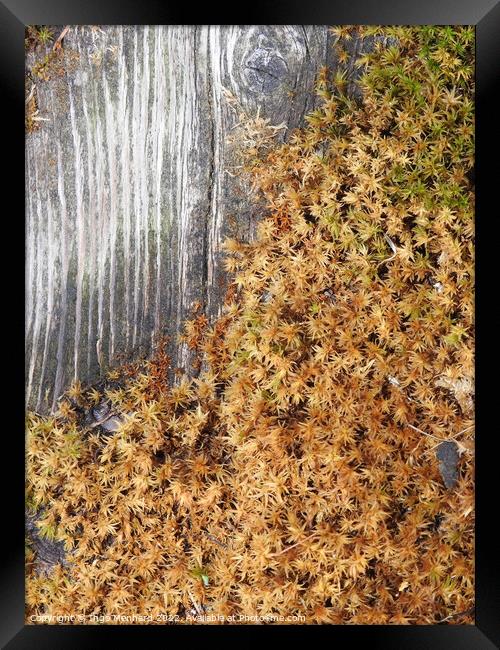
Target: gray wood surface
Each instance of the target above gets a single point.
(128, 196)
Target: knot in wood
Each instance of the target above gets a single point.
(265, 69)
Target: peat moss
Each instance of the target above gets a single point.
(297, 474)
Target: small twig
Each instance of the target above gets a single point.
(396, 383)
(440, 440)
(464, 613)
(32, 92)
(198, 609)
(386, 260)
(451, 438)
(393, 248)
(427, 434)
(57, 44)
(288, 548)
(464, 430)
(392, 245)
(98, 423)
(215, 540)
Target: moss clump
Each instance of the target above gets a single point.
(44, 61)
(297, 475)
(37, 36)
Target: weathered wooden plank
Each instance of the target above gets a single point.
(128, 199)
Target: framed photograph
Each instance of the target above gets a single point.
(256, 345)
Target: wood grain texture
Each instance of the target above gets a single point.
(128, 195)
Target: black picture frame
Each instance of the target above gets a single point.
(485, 15)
